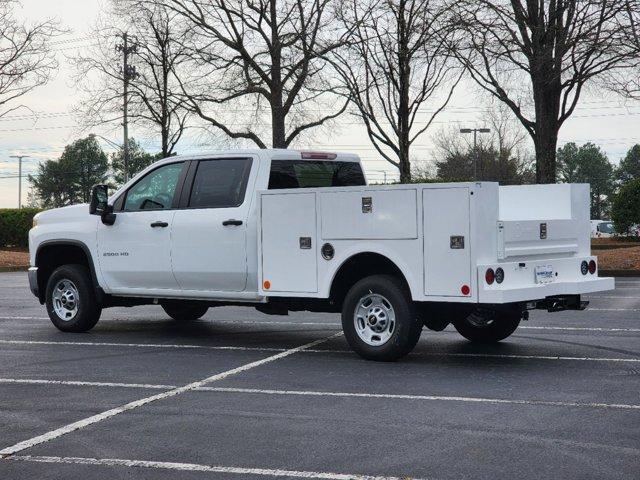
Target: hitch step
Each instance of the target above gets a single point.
(560, 303)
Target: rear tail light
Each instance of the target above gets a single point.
(490, 276)
(584, 267)
(499, 275)
(592, 267)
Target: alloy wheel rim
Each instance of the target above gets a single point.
(374, 319)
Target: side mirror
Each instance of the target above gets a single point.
(99, 204)
(99, 199)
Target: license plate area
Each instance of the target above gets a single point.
(544, 274)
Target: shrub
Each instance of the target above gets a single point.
(625, 211)
(15, 225)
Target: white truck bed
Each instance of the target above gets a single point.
(442, 237)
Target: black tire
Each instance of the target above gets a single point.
(184, 311)
(83, 312)
(407, 327)
(499, 325)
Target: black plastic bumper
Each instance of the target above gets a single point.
(33, 280)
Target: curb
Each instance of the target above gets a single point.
(14, 268)
(619, 273)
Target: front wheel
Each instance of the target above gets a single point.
(184, 311)
(379, 319)
(488, 326)
(71, 299)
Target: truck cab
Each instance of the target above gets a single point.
(284, 230)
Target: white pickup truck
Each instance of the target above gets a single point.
(282, 230)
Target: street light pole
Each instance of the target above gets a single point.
(475, 132)
(19, 157)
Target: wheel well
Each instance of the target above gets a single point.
(358, 267)
(50, 257)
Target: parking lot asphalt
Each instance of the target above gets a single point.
(239, 394)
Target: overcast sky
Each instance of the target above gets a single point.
(601, 118)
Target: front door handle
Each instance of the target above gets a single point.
(159, 224)
(233, 222)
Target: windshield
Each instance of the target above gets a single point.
(606, 227)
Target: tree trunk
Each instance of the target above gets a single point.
(546, 143)
(546, 93)
(165, 141)
(404, 73)
(278, 123)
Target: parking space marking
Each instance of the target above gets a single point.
(77, 383)
(312, 393)
(46, 437)
(613, 296)
(309, 350)
(336, 324)
(614, 309)
(141, 345)
(583, 329)
(195, 467)
(442, 398)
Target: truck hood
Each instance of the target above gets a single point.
(63, 214)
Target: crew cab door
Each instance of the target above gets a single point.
(134, 253)
(209, 232)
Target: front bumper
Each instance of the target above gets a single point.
(33, 280)
(519, 284)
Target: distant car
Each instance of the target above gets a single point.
(602, 229)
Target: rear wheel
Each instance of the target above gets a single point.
(71, 300)
(379, 319)
(488, 326)
(184, 311)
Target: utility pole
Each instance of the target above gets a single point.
(475, 132)
(128, 73)
(19, 157)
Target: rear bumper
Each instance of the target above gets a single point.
(32, 273)
(539, 292)
(520, 285)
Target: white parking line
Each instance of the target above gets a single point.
(195, 467)
(144, 401)
(443, 398)
(335, 324)
(614, 296)
(141, 345)
(309, 350)
(583, 329)
(613, 309)
(76, 383)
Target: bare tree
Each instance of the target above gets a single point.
(536, 56)
(261, 61)
(26, 59)
(153, 101)
(626, 81)
(396, 62)
(502, 156)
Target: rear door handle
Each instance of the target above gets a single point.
(159, 224)
(233, 222)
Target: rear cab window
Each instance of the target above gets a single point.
(220, 183)
(314, 173)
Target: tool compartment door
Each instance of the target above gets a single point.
(447, 254)
(289, 247)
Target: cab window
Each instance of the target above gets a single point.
(155, 190)
(220, 183)
(309, 174)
